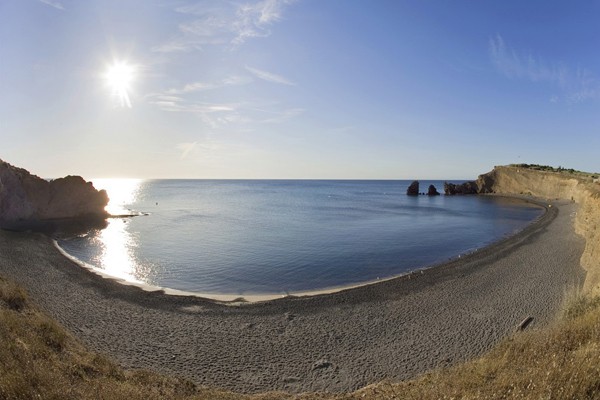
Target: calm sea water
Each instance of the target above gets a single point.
(244, 237)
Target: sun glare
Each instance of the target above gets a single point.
(119, 77)
(122, 192)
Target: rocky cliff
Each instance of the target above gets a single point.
(552, 185)
(27, 198)
(451, 189)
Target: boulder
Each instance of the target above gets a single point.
(26, 198)
(432, 191)
(413, 189)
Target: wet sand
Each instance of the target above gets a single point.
(395, 329)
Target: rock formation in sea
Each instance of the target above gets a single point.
(26, 198)
(432, 191)
(413, 189)
(469, 187)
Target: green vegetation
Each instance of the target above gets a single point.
(560, 169)
(39, 359)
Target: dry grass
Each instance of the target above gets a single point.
(40, 360)
(560, 362)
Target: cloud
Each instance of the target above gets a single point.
(222, 23)
(269, 77)
(576, 86)
(186, 149)
(514, 65)
(178, 104)
(284, 115)
(253, 19)
(175, 45)
(52, 3)
(216, 115)
(201, 86)
(213, 114)
(185, 99)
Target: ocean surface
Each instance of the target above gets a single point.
(276, 236)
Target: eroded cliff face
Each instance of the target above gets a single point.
(27, 198)
(552, 185)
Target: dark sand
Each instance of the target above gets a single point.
(337, 342)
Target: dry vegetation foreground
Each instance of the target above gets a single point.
(39, 359)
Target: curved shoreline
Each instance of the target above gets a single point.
(234, 299)
(394, 329)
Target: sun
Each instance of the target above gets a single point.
(119, 76)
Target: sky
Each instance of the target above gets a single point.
(298, 89)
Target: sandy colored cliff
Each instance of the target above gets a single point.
(554, 185)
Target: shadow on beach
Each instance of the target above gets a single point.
(59, 227)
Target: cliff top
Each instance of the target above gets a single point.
(560, 170)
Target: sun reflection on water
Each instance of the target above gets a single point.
(117, 257)
(121, 193)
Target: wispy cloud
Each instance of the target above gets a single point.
(277, 117)
(219, 28)
(53, 3)
(269, 77)
(201, 86)
(220, 115)
(253, 20)
(186, 149)
(223, 23)
(212, 114)
(515, 65)
(195, 98)
(575, 86)
(178, 104)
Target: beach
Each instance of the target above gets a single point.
(335, 342)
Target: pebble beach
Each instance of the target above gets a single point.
(395, 329)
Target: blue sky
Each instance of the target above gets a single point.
(299, 89)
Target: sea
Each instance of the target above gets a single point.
(245, 237)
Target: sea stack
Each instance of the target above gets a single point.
(26, 198)
(413, 189)
(432, 191)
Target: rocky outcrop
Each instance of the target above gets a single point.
(515, 180)
(469, 187)
(413, 189)
(432, 191)
(26, 198)
(554, 185)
